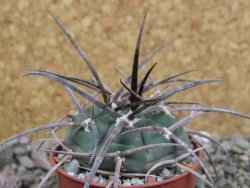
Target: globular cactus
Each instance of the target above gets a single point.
(130, 130)
(81, 140)
(84, 141)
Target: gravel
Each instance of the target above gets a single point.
(19, 168)
(233, 170)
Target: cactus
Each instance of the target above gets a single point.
(83, 141)
(130, 130)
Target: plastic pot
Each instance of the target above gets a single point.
(184, 180)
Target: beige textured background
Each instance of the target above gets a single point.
(211, 36)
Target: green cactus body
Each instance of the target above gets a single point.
(80, 140)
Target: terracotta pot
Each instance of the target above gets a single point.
(184, 180)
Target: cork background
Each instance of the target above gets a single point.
(210, 36)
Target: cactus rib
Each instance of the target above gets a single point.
(103, 150)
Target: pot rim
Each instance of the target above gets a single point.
(194, 166)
